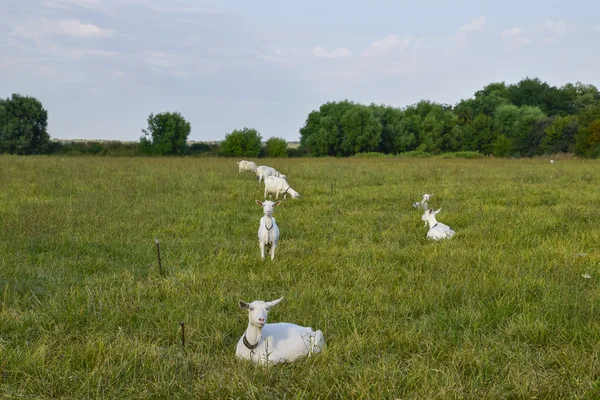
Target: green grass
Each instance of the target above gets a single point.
(499, 311)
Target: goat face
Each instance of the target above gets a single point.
(268, 206)
(258, 310)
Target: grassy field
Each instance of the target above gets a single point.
(499, 311)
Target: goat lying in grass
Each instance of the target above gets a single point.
(277, 186)
(437, 230)
(423, 203)
(268, 231)
(267, 344)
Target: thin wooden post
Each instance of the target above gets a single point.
(158, 252)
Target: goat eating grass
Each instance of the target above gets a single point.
(268, 231)
(437, 230)
(275, 185)
(267, 344)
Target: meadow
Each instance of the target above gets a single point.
(499, 311)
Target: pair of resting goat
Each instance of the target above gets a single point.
(437, 230)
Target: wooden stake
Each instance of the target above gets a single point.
(158, 252)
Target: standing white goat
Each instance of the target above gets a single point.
(277, 186)
(246, 165)
(268, 231)
(263, 171)
(267, 344)
(423, 203)
(437, 230)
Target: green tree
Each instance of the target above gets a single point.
(322, 134)
(242, 143)
(584, 139)
(362, 131)
(560, 135)
(277, 147)
(390, 119)
(529, 131)
(167, 133)
(408, 131)
(23, 123)
(484, 136)
(501, 146)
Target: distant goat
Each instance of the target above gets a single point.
(551, 161)
(246, 166)
(437, 230)
(277, 186)
(263, 171)
(268, 231)
(423, 203)
(267, 344)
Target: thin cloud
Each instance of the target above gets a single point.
(390, 42)
(76, 28)
(476, 24)
(557, 27)
(340, 52)
(512, 32)
(515, 38)
(72, 4)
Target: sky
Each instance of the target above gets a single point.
(100, 67)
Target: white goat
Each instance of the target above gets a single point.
(268, 231)
(263, 171)
(277, 186)
(246, 166)
(437, 230)
(267, 344)
(423, 203)
(551, 161)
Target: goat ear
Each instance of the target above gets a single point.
(243, 305)
(274, 302)
(437, 211)
(259, 203)
(237, 162)
(276, 204)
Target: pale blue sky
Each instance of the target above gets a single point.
(101, 66)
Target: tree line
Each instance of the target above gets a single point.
(525, 119)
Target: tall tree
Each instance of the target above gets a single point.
(23, 124)
(362, 131)
(277, 147)
(322, 134)
(560, 135)
(167, 133)
(246, 142)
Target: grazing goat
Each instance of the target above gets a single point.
(277, 186)
(246, 166)
(268, 231)
(551, 161)
(423, 203)
(263, 171)
(267, 344)
(437, 230)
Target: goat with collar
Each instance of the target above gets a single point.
(437, 230)
(282, 342)
(268, 231)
